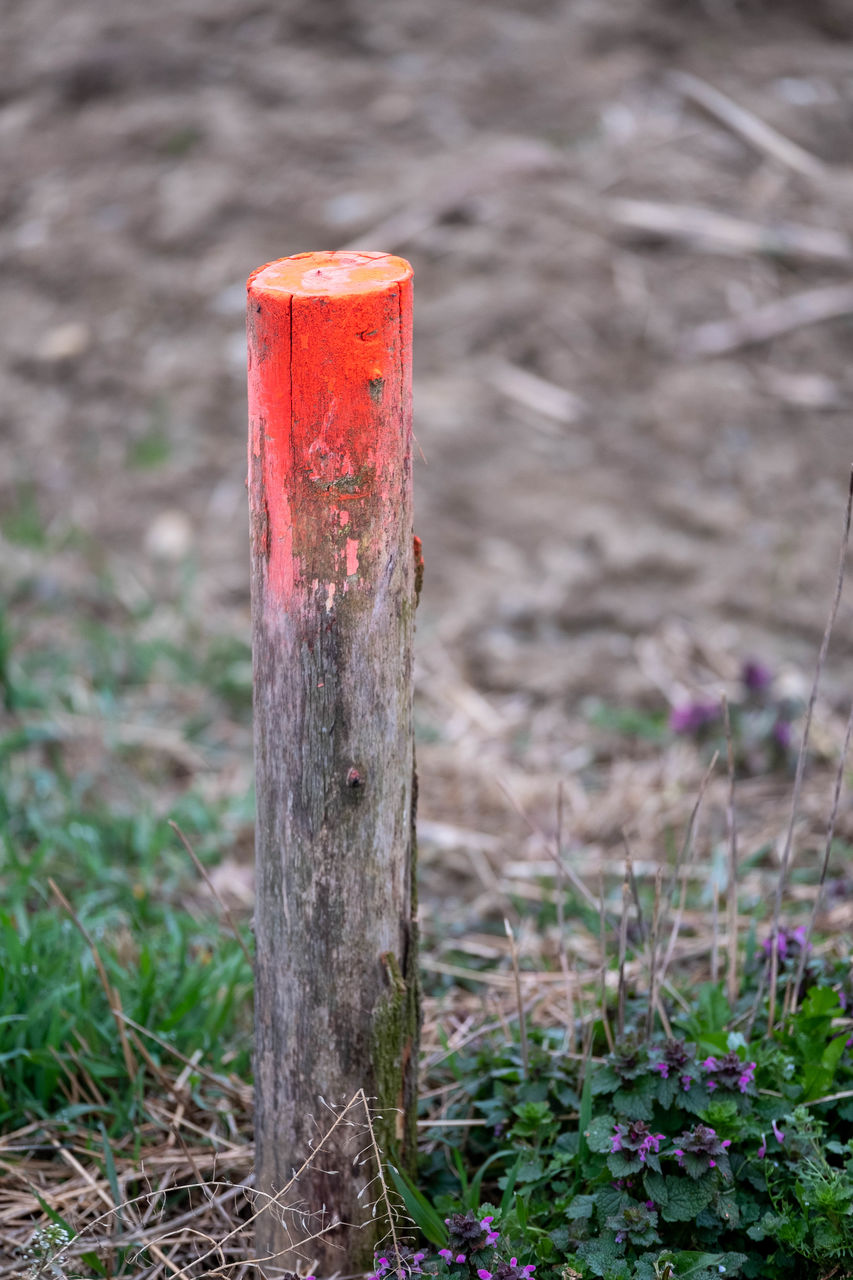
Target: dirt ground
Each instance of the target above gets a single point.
(617, 501)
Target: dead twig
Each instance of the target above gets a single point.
(568, 871)
(510, 157)
(522, 1025)
(748, 126)
(623, 943)
(707, 231)
(801, 761)
(232, 924)
(719, 337)
(830, 833)
(685, 854)
(731, 887)
(653, 956)
(561, 927)
(602, 924)
(533, 392)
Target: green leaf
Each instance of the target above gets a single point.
(609, 1200)
(509, 1188)
(820, 1004)
(580, 1207)
(459, 1166)
(419, 1208)
(477, 1180)
(818, 1077)
(112, 1177)
(693, 1265)
(599, 1255)
(604, 1080)
(54, 1215)
(623, 1163)
(530, 1171)
(684, 1198)
(585, 1114)
(599, 1134)
(636, 1102)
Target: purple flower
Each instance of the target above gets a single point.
(636, 1138)
(693, 716)
(651, 1143)
(408, 1263)
(491, 1234)
(746, 1077)
(701, 1149)
(446, 1254)
(469, 1233)
(787, 940)
(755, 676)
(662, 1067)
(507, 1271)
(782, 734)
(777, 1132)
(460, 1257)
(635, 1222)
(729, 1072)
(762, 1150)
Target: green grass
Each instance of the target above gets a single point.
(60, 1053)
(22, 522)
(91, 813)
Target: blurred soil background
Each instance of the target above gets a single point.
(633, 473)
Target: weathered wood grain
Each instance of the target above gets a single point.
(333, 599)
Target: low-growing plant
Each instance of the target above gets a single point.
(697, 1155)
(762, 722)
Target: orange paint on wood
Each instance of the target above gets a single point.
(327, 335)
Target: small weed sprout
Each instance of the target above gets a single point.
(46, 1252)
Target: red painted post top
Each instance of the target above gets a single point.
(329, 334)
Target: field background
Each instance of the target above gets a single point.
(598, 549)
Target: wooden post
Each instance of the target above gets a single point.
(333, 599)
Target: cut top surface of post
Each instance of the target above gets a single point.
(336, 272)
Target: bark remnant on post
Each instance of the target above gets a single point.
(333, 598)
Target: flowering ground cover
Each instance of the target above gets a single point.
(717, 1150)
